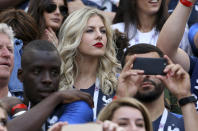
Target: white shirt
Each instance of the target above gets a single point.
(151, 37)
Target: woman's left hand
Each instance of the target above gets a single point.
(51, 36)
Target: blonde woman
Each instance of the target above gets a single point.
(127, 113)
(88, 54)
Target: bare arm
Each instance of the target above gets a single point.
(36, 116)
(171, 35)
(9, 3)
(177, 81)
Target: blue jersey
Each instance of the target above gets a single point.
(103, 99)
(74, 113)
(194, 76)
(173, 123)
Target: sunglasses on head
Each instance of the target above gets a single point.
(52, 7)
(3, 122)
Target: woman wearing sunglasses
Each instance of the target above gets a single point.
(49, 15)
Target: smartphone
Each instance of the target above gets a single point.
(83, 127)
(151, 66)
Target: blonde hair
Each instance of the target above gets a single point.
(7, 30)
(70, 37)
(107, 112)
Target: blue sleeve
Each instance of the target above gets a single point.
(191, 34)
(77, 112)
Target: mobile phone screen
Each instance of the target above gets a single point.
(151, 66)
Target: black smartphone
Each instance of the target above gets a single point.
(151, 66)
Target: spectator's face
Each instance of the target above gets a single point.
(3, 120)
(6, 56)
(149, 7)
(149, 87)
(54, 18)
(41, 74)
(94, 39)
(131, 119)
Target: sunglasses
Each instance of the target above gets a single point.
(3, 122)
(52, 7)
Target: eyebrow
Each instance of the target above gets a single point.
(139, 119)
(94, 27)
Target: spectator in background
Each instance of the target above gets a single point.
(107, 7)
(127, 113)
(23, 25)
(3, 118)
(149, 89)
(193, 38)
(40, 74)
(20, 4)
(173, 31)
(89, 58)
(26, 30)
(6, 58)
(193, 16)
(49, 16)
(142, 21)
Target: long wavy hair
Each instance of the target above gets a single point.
(107, 112)
(70, 36)
(127, 13)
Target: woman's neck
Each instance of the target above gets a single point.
(146, 22)
(87, 70)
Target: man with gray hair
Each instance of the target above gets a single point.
(6, 57)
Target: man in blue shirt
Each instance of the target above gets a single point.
(40, 75)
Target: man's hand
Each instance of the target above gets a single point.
(177, 79)
(68, 96)
(9, 102)
(128, 79)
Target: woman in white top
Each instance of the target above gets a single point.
(142, 21)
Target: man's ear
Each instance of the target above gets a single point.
(20, 75)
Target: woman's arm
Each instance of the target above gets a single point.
(171, 35)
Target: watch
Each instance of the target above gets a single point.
(186, 100)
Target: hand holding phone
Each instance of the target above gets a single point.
(151, 66)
